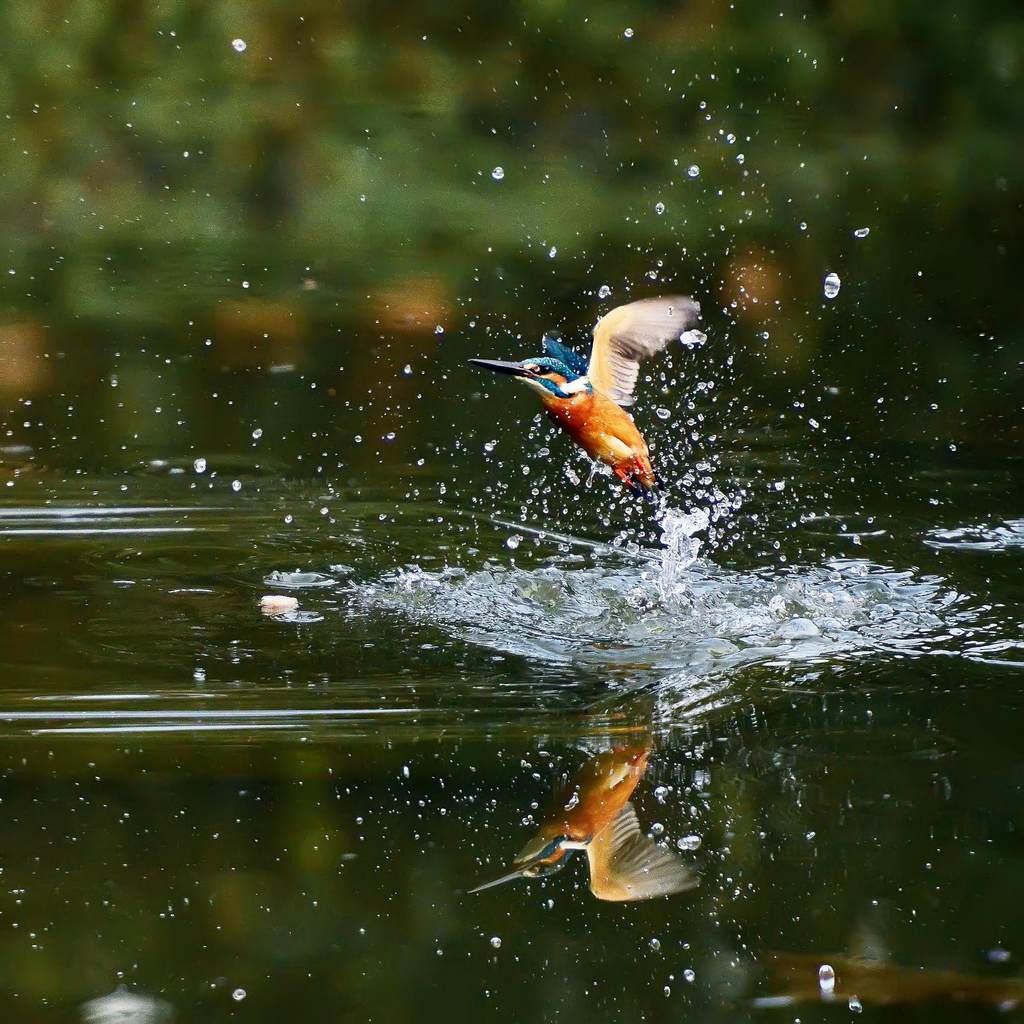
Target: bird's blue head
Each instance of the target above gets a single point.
(546, 374)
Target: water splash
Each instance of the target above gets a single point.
(654, 614)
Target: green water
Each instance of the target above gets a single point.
(243, 288)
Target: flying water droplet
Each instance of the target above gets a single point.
(693, 338)
(826, 978)
(855, 1005)
(496, 941)
(628, 33)
(498, 173)
(663, 413)
(236, 485)
(832, 284)
(659, 208)
(552, 253)
(513, 542)
(238, 45)
(689, 975)
(199, 465)
(603, 292)
(862, 232)
(439, 329)
(689, 843)
(693, 170)
(655, 944)
(238, 995)
(257, 433)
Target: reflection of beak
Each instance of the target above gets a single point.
(510, 877)
(498, 366)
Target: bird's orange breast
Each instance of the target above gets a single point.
(601, 428)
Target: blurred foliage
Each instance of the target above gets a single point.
(341, 166)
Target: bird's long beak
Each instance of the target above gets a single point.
(501, 880)
(499, 366)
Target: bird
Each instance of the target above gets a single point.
(588, 399)
(593, 813)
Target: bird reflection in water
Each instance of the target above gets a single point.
(593, 813)
(857, 982)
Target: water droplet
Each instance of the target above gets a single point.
(199, 465)
(407, 369)
(489, 446)
(236, 485)
(239, 994)
(855, 1005)
(740, 158)
(552, 252)
(257, 433)
(826, 978)
(245, 284)
(657, 829)
(238, 45)
(628, 33)
(439, 329)
(692, 338)
(689, 975)
(689, 843)
(832, 284)
(655, 944)
(862, 232)
(603, 292)
(513, 542)
(693, 170)
(496, 941)
(663, 413)
(659, 208)
(498, 173)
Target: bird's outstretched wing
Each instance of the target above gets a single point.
(630, 333)
(626, 864)
(554, 348)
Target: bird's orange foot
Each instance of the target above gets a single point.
(625, 475)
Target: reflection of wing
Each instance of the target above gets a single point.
(625, 864)
(630, 333)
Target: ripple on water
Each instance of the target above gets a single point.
(1001, 537)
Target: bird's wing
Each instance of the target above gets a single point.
(626, 864)
(554, 348)
(630, 333)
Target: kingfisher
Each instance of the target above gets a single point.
(588, 399)
(592, 813)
